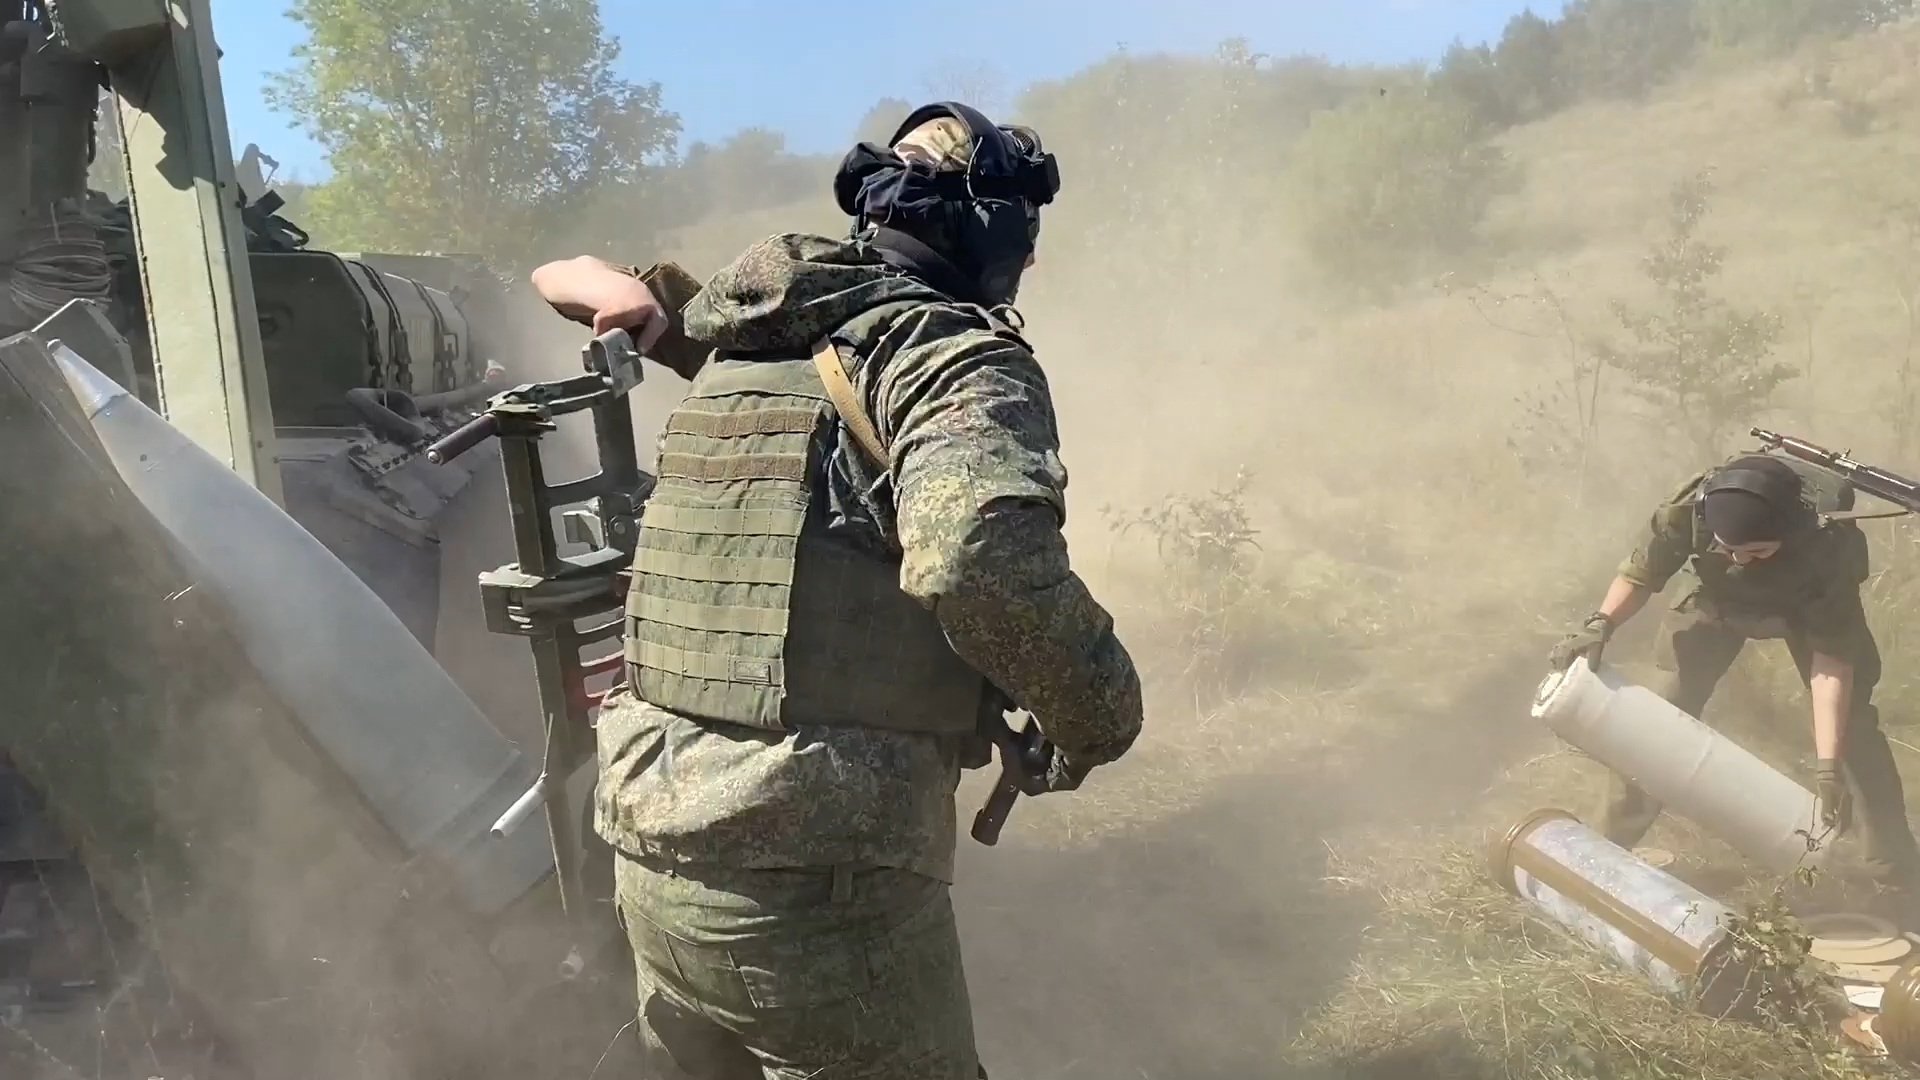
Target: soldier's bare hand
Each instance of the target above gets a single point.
(1833, 802)
(633, 309)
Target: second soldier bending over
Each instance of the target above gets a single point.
(1766, 562)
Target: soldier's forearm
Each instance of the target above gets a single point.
(1065, 665)
(1013, 609)
(1624, 600)
(1830, 686)
(586, 287)
(582, 286)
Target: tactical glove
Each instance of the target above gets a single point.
(1833, 803)
(1589, 640)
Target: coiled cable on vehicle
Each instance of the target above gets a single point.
(59, 257)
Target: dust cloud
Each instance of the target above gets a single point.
(1359, 416)
(1340, 516)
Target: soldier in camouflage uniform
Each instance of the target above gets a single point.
(1767, 563)
(824, 602)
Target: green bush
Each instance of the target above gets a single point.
(1170, 159)
(1705, 366)
(1625, 48)
(1211, 593)
(1532, 65)
(1522, 78)
(1776, 26)
(1472, 76)
(1388, 186)
(1771, 26)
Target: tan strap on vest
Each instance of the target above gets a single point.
(833, 373)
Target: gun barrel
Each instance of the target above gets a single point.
(1875, 481)
(1799, 448)
(464, 438)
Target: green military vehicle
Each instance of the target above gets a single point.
(261, 780)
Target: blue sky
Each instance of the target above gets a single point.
(728, 64)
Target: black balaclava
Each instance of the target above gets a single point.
(982, 224)
(1754, 500)
(1741, 517)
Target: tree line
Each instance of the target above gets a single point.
(499, 126)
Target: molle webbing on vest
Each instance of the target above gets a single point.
(707, 611)
(741, 610)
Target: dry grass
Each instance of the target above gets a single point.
(1460, 981)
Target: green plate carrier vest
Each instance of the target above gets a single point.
(741, 609)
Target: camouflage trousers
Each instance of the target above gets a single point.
(826, 974)
(1696, 652)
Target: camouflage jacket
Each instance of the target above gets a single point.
(974, 502)
(1811, 586)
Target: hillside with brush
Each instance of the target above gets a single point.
(1367, 379)
(1363, 399)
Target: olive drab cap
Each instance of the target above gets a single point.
(943, 142)
(1007, 161)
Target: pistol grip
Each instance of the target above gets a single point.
(991, 817)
